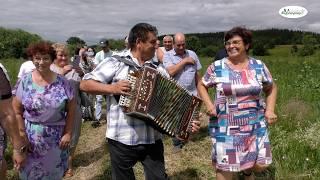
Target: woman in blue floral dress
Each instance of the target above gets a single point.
(44, 105)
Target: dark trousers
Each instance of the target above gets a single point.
(177, 142)
(124, 157)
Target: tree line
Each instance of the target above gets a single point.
(13, 42)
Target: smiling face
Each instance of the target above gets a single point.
(180, 44)
(148, 47)
(42, 62)
(236, 47)
(168, 43)
(62, 58)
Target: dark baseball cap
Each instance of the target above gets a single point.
(103, 42)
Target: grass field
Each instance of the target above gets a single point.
(295, 138)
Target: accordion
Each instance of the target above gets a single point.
(161, 102)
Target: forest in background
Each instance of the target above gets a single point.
(13, 42)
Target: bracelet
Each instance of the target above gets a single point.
(21, 150)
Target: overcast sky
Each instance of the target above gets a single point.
(57, 20)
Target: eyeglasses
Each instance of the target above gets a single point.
(44, 58)
(234, 42)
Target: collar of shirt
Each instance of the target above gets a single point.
(184, 54)
(135, 60)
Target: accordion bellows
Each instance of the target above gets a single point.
(161, 102)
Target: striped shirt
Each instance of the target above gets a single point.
(120, 127)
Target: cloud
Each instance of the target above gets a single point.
(93, 19)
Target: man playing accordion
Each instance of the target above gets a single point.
(129, 139)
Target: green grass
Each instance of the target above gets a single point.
(294, 138)
(12, 66)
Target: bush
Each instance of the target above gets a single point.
(14, 42)
(208, 51)
(259, 49)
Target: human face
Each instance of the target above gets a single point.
(180, 46)
(42, 62)
(158, 44)
(61, 59)
(148, 47)
(168, 44)
(235, 47)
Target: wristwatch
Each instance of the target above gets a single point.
(21, 150)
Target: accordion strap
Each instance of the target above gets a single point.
(126, 60)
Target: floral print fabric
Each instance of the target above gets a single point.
(44, 104)
(45, 118)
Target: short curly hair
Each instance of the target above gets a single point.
(41, 47)
(244, 33)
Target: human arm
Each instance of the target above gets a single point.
(10, 125)
(96, 87)
(160, 55)
(176, 68)
(271, 96)
(67, 132)
(203, 92)
(99, 80)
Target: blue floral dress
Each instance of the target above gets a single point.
(45, 119)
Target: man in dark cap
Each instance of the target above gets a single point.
(104, 53)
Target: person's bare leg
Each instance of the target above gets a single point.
(69, 171)
(224, 175)
(248, 174)
(3, 170)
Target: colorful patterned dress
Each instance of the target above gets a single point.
(239, 132)
(45, 119)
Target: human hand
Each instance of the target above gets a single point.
(66, 69)
(121, 87)
(195, 126)
(78, 70)
(189, 60)
(271, 117)
(19, 159)
(20, 149)
(211, 110)
(65, 141)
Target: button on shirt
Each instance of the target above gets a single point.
(186, 77)
(120, 127)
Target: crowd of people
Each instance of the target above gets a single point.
(54, 93)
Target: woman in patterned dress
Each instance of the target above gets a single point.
(8, 124)
(44, 104)
(61, 66)
(239, 114)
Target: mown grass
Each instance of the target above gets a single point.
(295, 138)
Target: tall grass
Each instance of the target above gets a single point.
(12, 66)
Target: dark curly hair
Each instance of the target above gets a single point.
(244, 33)
(41, 47)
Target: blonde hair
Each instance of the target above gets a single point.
(60, 47)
